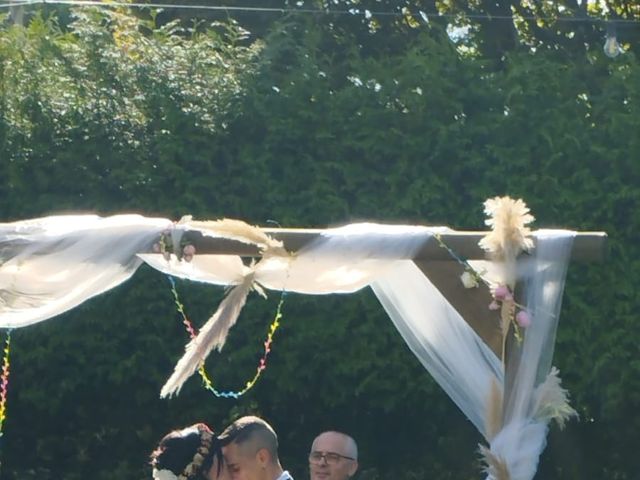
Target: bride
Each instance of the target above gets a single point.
(188, 454)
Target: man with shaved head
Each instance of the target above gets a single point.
(250, 449)
(333, 456)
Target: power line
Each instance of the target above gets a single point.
(16, 3)
(316, 11)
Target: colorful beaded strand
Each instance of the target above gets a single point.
(262, 364)
(4, 380)
(4, 384)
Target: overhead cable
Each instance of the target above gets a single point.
(316, 11)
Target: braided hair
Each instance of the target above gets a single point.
(186, 454)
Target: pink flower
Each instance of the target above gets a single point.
(502, 294)
(494, 306)
(523, 319)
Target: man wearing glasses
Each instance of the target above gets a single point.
(333, 456)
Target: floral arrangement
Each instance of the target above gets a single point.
(167, 246)
(508, 238)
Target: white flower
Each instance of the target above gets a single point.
(164, 475)
(469, 280)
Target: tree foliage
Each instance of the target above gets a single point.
(310, 126)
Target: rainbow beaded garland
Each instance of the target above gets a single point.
(262, 363)
(4, 381)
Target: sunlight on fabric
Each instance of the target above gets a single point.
(443, 342)
(50, 265)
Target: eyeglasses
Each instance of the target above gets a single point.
(331, 458)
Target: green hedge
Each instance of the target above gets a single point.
(307, 128)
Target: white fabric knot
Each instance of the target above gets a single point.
(164, 475)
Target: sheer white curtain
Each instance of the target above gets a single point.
(50, 265)
(466, 368)
(445, 344)
(523, 436)
(339, 260)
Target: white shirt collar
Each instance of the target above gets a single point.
(285, 476)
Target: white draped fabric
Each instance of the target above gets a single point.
(340, 260)
(454, 355)
(466, 368)
(524, 432)
(50, 265)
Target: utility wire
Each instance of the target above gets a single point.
(287, 10)
(17, 3)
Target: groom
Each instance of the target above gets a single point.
(251, 451)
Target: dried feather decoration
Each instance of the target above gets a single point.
(214, 333)
(240, 231)
(509, 236)
(551, 401)
(493, 416)
(494, 466)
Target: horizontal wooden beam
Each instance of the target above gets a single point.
(587, 247)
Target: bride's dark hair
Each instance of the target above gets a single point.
(189, 452)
